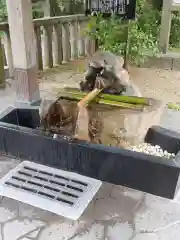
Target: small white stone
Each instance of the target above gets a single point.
(152, 150)
(161, 151)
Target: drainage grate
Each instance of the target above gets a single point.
(54, 190)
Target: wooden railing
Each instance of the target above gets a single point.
(59, 40)
(169, 6)
(6, 48)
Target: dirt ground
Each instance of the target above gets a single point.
(157, 83)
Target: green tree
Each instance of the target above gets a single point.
(143, 34)
(3, 11)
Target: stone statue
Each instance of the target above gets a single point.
(105, 70)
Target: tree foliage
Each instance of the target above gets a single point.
(112, 33)
(3, 11)
(58, 8)
(143, 32)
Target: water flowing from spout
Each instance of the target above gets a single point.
(81, 130)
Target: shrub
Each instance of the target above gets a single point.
(143, 33)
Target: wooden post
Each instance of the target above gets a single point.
(4, 54)
(126, 52)
(74, 40)
(2, 72)
(81, 39)
(48, 53)
(66, 42)
(51, 8)
(8, 51)
(165, 26)
(58, 49)
(47, 8)
(24, 50)
(37, 31)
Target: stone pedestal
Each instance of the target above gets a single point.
(23, 49)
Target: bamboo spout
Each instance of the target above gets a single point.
(89, 97)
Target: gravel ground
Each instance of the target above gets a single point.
(157, 83)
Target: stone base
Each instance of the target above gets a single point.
(27, 85)
(169, 61)
(155, 175)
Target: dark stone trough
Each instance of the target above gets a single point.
(159, 176)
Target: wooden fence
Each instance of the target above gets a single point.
(58, 40)
(168, 7)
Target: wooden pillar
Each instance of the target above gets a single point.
(47, 8)
(165, 26)
(2, 72)
(23, 50)
(8, 51)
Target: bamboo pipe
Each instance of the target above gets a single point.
(89, 97)
(110, 97)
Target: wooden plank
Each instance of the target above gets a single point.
(81, 39)
(48, 53)
(37, 31)
(47, 8)
(59, 19)
(175, 7)
(4, 26)
(57, 40)
(74, 39)
(66, 43)
(8, 51)
(50, 20)
(165, 26)
(4, 54)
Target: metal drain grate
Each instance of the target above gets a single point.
(54, 190)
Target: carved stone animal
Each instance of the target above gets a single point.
(105, 70)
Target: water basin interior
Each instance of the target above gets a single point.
(112, 126)
(23, 117)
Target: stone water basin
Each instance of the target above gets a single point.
(159, 176)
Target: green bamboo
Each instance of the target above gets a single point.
(78, 97)
(125, 99)
(173, 106)
(119, 98)
(88, 98)
(112, 97)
